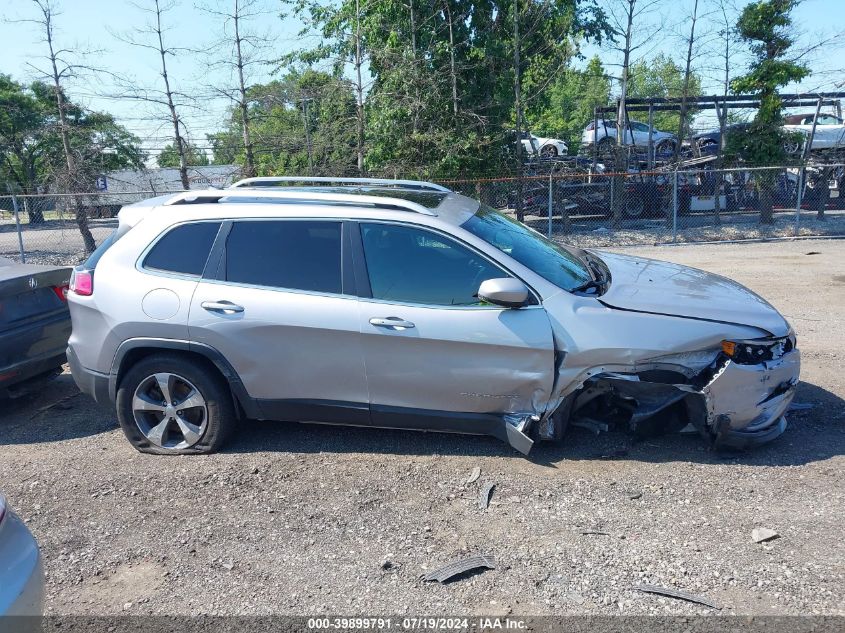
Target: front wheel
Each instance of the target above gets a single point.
(170, 405)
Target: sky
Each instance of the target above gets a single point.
(92, 25)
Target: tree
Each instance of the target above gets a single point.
(171, 157)
(151, 37)
(571, 102)
(241, 49)
(442, 100)
(58, 71)
(628, 35)
(303, 123)
(766, 26)
(662, 77)
(32, 150)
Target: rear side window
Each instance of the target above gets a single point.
(291, 254)
(184, 249)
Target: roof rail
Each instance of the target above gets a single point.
(296, 197)
(270, 181)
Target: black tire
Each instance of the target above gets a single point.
(606, 145)
(635, 206)
(220, 418)
(664, 147)
(549, 151)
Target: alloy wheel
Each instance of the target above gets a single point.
(170, 411)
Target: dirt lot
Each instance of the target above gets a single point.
(305, 519)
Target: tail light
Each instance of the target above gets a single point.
(61, 291)
(82, 282)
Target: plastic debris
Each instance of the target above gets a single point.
(679, 595)
(461, 566)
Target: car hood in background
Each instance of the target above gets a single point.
(648, 285)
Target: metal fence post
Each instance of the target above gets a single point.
(18, 227)
(675, 206)
(550, 205)
(799, 195)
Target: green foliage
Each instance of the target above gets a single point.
(278, 113)
(571, 102)
(662, 77)
(415, 124)
(31, 151)
(169, 156)
(766, 26)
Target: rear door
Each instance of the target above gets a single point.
(279, 310)
(431, 349)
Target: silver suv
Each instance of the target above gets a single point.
(403, 304)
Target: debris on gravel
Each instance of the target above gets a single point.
(674, 593)
(474, 475)
(761, 535)
(484, 496)
(452, 570)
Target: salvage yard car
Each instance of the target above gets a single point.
(34, 323)
(21, 573)
(402, 304)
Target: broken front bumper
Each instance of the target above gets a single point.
(746, 403)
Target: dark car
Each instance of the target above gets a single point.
(707, 143)
(34, 322)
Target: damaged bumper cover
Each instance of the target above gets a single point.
(731, 404)
(746, 404)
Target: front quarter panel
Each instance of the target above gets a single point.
(595, 338)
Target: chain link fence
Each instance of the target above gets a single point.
(584, 209)
(659, 207)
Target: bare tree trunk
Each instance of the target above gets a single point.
(249, 163)
(72, 175)
(359, 89)
(306, 124)
(687, 72)
(618, 202)
(181, 146)
(517, 88)
(453, 74)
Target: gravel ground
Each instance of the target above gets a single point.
(297, 519)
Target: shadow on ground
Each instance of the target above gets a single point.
(57, 412)
(54, 411)
(813, 435)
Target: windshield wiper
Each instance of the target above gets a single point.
(598, 284)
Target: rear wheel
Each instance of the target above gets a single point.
(606, 145)
(170, 405)
(634, 205)
(549, 151)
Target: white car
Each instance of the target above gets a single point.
(543, 147)
(829, 134)
(605, 135)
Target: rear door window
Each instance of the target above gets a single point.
(184, 249)
(289, 254)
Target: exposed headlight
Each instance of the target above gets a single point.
(752, 352)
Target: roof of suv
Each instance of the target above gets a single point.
(315, 197)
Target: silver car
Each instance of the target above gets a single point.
(402, 304)
(21, 572)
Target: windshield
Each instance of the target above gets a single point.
(546, 258)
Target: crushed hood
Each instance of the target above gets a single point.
(648, 285)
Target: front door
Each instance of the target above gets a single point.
(278, 311)
(435, 356)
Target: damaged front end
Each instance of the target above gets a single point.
(735, 396)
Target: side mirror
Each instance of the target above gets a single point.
(507, 292)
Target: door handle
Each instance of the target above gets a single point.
(223, 307)
(391, 322)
